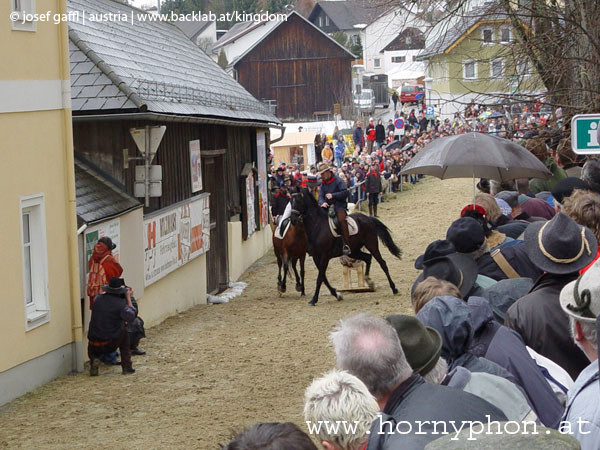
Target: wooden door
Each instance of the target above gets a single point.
(213, 175)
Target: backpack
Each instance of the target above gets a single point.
(96, 279)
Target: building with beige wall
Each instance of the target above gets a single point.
(40, 321)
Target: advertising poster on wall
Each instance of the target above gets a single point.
(261, 157)
(111, 228)
(250, 204)
(175, 237)
(196, 166)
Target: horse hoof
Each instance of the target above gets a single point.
(312, 303)
(299, 288)
(303, 296)
(339, 297)
(395, 291)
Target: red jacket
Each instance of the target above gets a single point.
(370, 134)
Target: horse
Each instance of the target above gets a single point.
(325, 246)
(291, 249)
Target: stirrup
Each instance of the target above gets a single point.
(346, 250)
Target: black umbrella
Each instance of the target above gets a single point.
(392, 145)
(495, 115)
(476, 155)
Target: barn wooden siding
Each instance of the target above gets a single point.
(102, 143)
(299, 67)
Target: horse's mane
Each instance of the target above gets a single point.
(312, 203)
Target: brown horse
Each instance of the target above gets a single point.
(290, 250)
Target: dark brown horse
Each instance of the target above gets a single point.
(325, 246)
(290, 250)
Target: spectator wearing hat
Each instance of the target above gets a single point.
(511, 262)
(107, 332)
(422, 346)
(334, 193)
(584, 208)
(340, 150)
(369, 348)
(271, 436)
(591, 174)
(568, 160)
(580, 301)
(565, 188)
(560, 248)
(340, 397)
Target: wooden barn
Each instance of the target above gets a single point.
(291, 63)
(206, 219)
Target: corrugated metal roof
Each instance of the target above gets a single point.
(98, 198)
(153, 63)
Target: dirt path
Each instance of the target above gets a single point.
(215, 369)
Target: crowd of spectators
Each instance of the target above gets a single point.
(505, 325)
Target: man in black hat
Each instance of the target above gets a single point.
(468, 237)
(107, 332)
(560, 248)
(564, 189)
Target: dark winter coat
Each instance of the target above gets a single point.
(109, 314)
(280, 201)
(505, 347)
(380, 133)
(373, 183)
(358, 137)
(338, 189)
(516, 256)
(544, 326)
(420, 404)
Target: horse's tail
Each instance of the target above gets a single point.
(384, 234)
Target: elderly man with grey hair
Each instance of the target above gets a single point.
(580, 299)
(414, 412)
(339, 398)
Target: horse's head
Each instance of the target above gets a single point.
(298, 203)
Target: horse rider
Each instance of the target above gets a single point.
(334, 193)
(281, 200)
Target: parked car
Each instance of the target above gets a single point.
(412, 93)
(365, 101)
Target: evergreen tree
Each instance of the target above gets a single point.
(342, 38)
(222, 61)
(356, 48)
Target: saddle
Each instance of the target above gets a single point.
(334, 226)
(282, 228)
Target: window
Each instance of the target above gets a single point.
(398, 59)
(470, 70)
(497, 68)
(505, 35)
(320, 21)
(35, 261)
(24, 19)
(487, 35)
(408, 40)
(326, 21)
(522, 68)
(377, 63)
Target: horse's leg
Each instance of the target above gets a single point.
(358, 254)
(374, 249)
(286, 267)
(335, 293)
(279, 263)
(302, 294)
(298, 285)
(320, 277)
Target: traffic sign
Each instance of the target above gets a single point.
(399, 123)
(585, 134)
(429, 112)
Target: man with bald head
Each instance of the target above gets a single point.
(369, 348)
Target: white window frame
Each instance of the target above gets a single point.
(320, 21)
(497, 60)
(38, 311)
(402, 59)
(502, 41)
(377, 63)
(326, 21)
(474, 70)
(23, 9)
(483, 30)
(408, 40)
